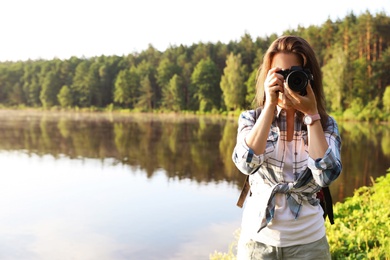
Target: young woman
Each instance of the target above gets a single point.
(290, 148)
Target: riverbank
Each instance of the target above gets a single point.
(113, 113)
(120, 112)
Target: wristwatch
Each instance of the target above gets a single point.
(310, 119)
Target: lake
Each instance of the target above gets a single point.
(115, 186)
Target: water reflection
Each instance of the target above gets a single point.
(186, 148)
(197, 148)
(62, 208)
(365, 156)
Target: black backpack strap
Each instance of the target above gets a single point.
(328, 204)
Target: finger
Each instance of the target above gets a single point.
(273, 90)
(273, 73)
(278, 88)
(271, 82)
(309, 90)
(286, 101)
(274, 69)
(293, 96)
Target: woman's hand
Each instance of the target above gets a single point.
(273, 84)
(306, 104)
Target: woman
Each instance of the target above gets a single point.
(290, 148)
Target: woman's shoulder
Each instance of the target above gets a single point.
(331, 124)
(251, 113)
(331, 120)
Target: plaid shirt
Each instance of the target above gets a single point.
(309, 174)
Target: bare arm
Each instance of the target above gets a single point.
(257, 137)
(317, 141)
(308, 105)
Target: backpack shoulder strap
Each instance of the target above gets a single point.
(246, 187)
(244, 192)
(328, 204)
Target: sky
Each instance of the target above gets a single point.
(48, 29)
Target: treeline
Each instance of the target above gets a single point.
(353, 52)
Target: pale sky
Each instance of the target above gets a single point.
(33, 29)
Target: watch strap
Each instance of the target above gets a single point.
(314, 118)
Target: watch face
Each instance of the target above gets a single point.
(307, 120)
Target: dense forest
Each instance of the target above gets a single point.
(354, 54)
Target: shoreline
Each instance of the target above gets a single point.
(121, 113)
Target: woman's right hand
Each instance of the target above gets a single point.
(273, 84)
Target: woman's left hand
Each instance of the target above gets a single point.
(306, 104)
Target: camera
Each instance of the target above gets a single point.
(297, 78)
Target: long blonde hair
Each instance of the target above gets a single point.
(302, 49)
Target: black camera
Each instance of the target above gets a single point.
(297, 78)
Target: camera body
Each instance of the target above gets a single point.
(297, 78)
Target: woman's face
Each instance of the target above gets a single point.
(285, 61)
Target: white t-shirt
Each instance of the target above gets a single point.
(284, 230)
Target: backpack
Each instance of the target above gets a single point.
(323, 195)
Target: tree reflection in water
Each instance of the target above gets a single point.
(198, 148)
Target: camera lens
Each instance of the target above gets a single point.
(297, 81)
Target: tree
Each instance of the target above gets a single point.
(165, 71)
(172, 94)
(232, 83)
(127, 87)
(250, 85)
(109, 68)
(65, 97)
(327, 33)
(148, 69)
(11, 91)
(93, 81)
(386, 100)
(81, 88)
(246, 49)
(31, 86)
(205, 85)
(334, 79)
(201, 52)
(361, 83)
(50, 89)
(146, 97)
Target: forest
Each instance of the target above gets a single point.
(354, 55)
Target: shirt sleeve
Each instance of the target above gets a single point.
(326, 169)
(243, 157)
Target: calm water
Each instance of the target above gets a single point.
(136, 187)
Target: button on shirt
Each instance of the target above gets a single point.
(283, 190)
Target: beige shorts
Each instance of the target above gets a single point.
(253, 250)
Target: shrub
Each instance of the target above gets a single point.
(362, 224)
